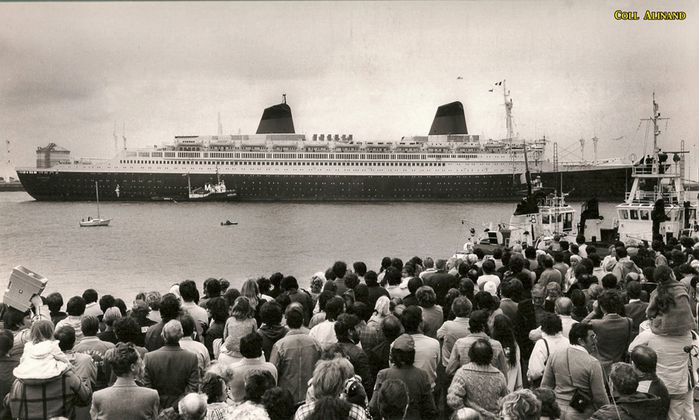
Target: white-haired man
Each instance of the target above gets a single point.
(171, 370)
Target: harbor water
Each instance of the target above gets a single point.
(150, 246)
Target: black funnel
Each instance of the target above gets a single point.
(449, 119)
(276, 119)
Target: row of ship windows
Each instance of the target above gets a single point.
(275, 163)
(259, 155)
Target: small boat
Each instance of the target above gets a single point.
(211, 192)
(228, 223)
(98, 221)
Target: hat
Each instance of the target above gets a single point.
(404, 342)
(140, 306)
(111, 314)
(694, 264)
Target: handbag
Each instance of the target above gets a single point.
(580, 401)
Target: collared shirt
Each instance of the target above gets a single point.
(449, 332)
(295, 357)
(459, 353)
(198, 313)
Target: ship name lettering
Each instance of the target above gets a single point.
(650, 15)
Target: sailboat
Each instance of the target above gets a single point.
(97, 221)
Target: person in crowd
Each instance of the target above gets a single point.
(413, 285)
(645, 360)
(320, 315)
(125, 399)
(81, 364)
(669, 310)
(275, 281)
(488, 275)
(563, 307)
(579, 311)
(212, 289)
(192, 406)
(440, 281)
(396, 287)
(171, 370)
(96, 349)
(378, 355)
(251, 291)
(393, 400)
(375, 290)
(110, 315)
(324, 333)
(279, 403)
(549, 407)
(55, 302)
(217, 309)
(91, 306)
(188, 343)
(190, 295)
(421, 402)
(511, 291)
(550, 274)
(450, 331)
(290, 286)
(624, 265)
(672, 369)
(636, 308)
(295, 355)
(432, 314)
(7, 365)
(520, 405)
(75, 309)
(503, 333)
(214, 387)
(347, 339)
(478, 324)
(572, 372)
(328, 384)
(628, 402)
(128, 331)
(140, 311)
(42, 348)
(46, 387)
(614, 332)
(529, 314)
(478, 384)
(316, 286)
(552, 340)
(251, 349)
(427, 351)
(169, 311)
(271, 330)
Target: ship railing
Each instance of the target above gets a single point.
(670, 197)
(653, 169)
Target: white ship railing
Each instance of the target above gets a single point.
(670, 197)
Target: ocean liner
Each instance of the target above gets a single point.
(276, 164)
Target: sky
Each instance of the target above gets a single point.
(70, 72)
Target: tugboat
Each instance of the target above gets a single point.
(657, 207)
(211, 192)
(537, 219)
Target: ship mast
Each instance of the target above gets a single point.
(655, 118)
(508, 111)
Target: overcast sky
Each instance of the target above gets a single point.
(69, 71)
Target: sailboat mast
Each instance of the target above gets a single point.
(97, 194)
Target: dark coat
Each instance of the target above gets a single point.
(173, 372)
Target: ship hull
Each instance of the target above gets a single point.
(608, 184)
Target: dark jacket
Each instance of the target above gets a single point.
(637, 312)
(421, 402)
(650, 383)
(632, 407)
(173, 372)
(441, 282)
(361, 364)
(271, 334)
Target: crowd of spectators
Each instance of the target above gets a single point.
(554, 332)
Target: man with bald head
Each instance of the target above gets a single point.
(563, 308)
(645, 360)
(193, 407)
(171, 370)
